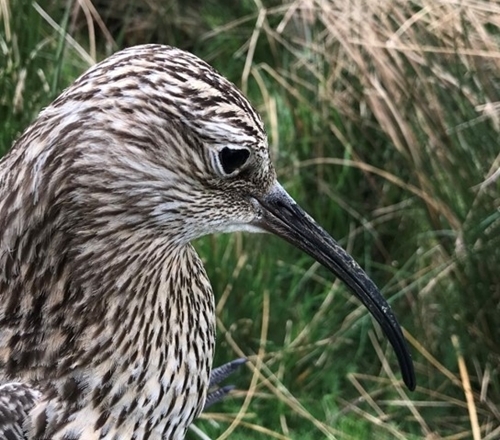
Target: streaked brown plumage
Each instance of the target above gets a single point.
(106, 313)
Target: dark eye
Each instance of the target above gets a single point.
(232, 158)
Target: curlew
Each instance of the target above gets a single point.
(107, 326)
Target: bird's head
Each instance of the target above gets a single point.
(157, 140)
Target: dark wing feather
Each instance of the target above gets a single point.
(16, 400)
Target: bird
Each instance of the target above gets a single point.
(107, 317)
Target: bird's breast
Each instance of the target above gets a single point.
(168, 364)
(143, 370)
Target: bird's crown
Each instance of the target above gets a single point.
(149, 89)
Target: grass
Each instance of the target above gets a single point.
(383, 121)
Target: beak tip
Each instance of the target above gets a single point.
(409, 377)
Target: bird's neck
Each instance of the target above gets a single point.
(136, 336)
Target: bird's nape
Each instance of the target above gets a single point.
(282, 216)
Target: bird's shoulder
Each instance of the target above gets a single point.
(16, 401)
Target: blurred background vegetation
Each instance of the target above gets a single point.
(383, 120)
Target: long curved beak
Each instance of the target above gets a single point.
(283, 217)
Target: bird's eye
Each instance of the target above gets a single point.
(232, 158)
